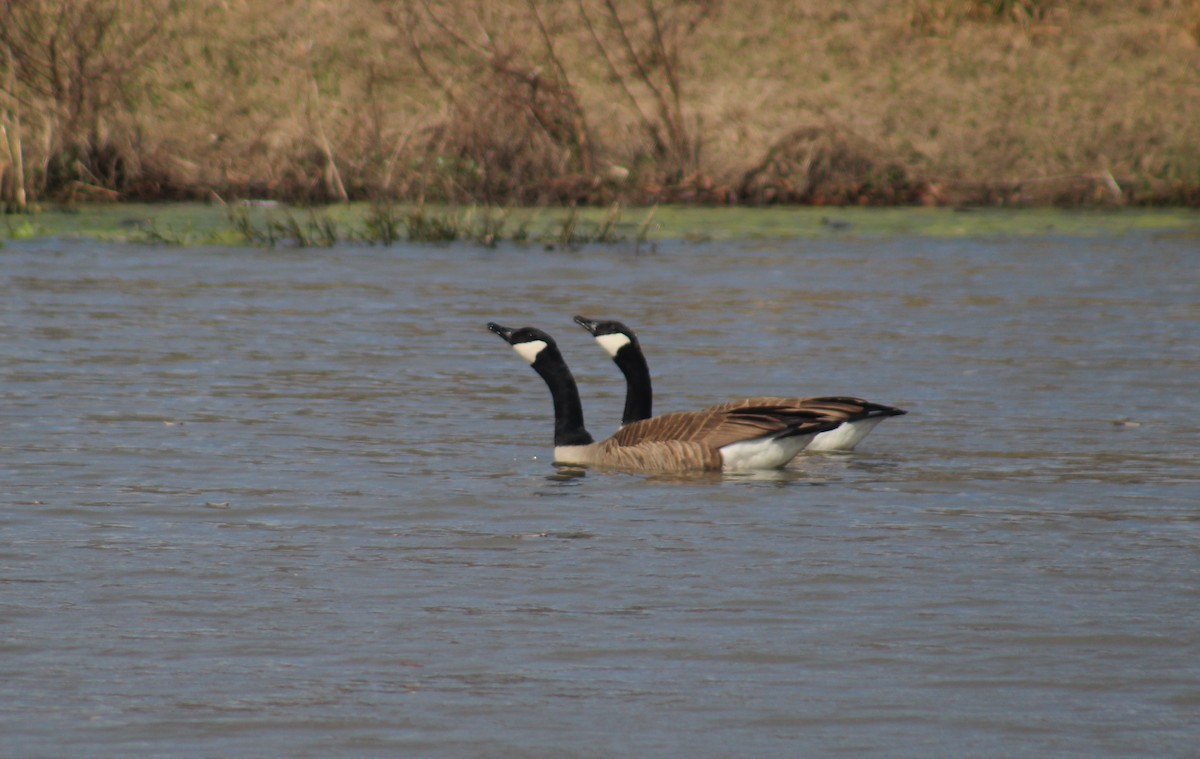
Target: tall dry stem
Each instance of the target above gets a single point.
(579, 136)
(12, 153)
(651, 63)
(333, 177)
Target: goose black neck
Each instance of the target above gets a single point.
(568, 410)
(639, 393)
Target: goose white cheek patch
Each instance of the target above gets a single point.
(530, 350)
(613, 343)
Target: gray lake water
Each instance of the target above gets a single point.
(300, 503)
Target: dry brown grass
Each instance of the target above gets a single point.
(936, 101)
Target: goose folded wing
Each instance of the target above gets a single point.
(720, 425)
(847, 406)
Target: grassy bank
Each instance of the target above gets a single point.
(268, 225)
(939, 102)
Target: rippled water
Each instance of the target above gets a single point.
(299, 503)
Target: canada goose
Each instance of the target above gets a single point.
(735, 436)
(621, 343)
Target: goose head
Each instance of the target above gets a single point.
(528, 342)
(612, 335)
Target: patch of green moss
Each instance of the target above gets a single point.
(199, 224)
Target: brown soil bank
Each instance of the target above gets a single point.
(595, 101)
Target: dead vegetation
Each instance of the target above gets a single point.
(827, 165)
(599, 101)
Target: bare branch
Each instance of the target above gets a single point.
(647, 122)
(673, 116)
(582, 140)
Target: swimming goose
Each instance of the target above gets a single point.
(621, 343)
(734, 436)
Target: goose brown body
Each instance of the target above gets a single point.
(693, 440)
